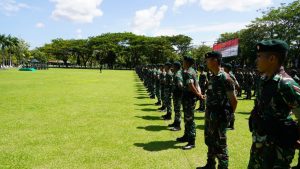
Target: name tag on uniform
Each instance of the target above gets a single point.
(210, 87)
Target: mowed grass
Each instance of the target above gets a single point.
(62, 118)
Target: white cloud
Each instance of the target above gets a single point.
(39, 25)
(10, 6)
(217, 5)
(81, 11)
(148, 19)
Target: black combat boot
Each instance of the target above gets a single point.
(158, 103)
(182, 139)
(190, 145)
(176, 126)
(211, 164)
(172, 125)
(167, 116)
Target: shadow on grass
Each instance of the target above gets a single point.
(141, 97)
(201, 127)
(148, 109)
(199, 118)
(244, 113)
(158, 145)
(154, 128)
(149, 117)
(145, 104)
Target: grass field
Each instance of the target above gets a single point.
(61, 118)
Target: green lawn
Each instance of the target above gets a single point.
(61, 118)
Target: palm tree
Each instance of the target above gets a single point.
(2, 45)
(12, 42)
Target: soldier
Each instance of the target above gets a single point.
(168, 81)
(162, 77)
(191, 90)
(274, 133)
(221, 103)
(177, 95)
(203, 83)
(227, 69)
(157, 86)
(248, 84)
(240, 79)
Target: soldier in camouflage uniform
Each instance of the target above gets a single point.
(157, 86)
(177, 95)
(168, 82)
(227, 69)
(203, 83)
(191, 90)
(273, 130)
(249, 81)
(162, 78)
(221, 103)
(240, 79)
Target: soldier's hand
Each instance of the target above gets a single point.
(202, 97)
(297, 145)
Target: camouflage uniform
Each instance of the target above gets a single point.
(189, 103)
(168, 93)
(177, 96)
(276, 97)
(162, 78)
(157, 86)
(202, 83)
(217, 116)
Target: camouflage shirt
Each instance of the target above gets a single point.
(177, 81)
(169, 79)
(277, 96)
(189, 76)
(218, 86)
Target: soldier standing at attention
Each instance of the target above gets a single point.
(177, 95)
(273, 130)
(157, 86)
(162, 77)
(203, 83)
(220, 105)
(168, 91)
(191, 90)
(227, 69)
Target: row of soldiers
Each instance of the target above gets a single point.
(275, 133)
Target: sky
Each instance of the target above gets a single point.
(40, 21)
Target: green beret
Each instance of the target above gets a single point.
(177, 64)
(189, 59)
(272, 45)
(168, 64)
(213, 54)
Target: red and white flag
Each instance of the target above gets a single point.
(229, 48)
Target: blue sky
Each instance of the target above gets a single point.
(40, 21)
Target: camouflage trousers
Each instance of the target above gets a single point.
(188, 105)
(162, 94)
(158, 92)
(202, 101)
(168, 99)
(216, 139)
(152, 89)
(267, 155)
(177, 101)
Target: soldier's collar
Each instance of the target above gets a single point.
(278, 74)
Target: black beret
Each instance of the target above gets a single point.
(212, 54)
(189, 59)
(177, 64)
(272, 45)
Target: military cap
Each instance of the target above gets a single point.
(168, 64)
(213, 54)
(189, 59)
(272, 45)
(177, 64)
